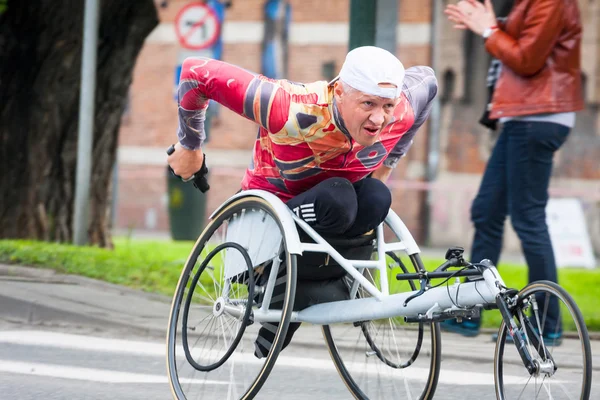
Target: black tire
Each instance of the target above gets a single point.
(368, 341)
(574, 370)
(201, 383)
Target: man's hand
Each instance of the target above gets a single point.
(471, 14)
(382, 173)
(185, 163)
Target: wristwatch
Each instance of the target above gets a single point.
(487, 32)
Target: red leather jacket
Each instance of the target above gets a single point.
(539, 46)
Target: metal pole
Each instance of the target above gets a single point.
(362, 23)
(433, 134)
(114, 193)
(86, 122)
(386, 16)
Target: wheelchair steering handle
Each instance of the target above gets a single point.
(199, 178)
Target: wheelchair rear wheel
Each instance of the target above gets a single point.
(211, 333)
(387, 358)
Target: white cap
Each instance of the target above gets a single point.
(366, 67)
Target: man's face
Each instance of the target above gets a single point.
(365, 115)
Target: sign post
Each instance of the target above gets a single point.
(277, 18)
(85, 135)
(197, 26)
(198, 31)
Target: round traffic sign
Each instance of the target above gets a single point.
(197, 26)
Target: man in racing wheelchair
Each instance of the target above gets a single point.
(324, 148)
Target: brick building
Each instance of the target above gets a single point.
(319, 35)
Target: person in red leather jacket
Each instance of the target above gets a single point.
(537, 92)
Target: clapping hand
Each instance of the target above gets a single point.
(471, 14)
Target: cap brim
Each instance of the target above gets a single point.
(334, 80)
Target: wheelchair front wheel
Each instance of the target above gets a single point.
(557, 339)
(211, 335)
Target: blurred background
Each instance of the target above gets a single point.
(94, 231)
(141, 46)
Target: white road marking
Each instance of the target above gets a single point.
(120, 346)
(89, 374)
(79, 342)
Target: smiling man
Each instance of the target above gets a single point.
(325, 148)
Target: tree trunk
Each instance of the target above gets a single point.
(40, 47)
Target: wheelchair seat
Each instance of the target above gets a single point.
(314, 266)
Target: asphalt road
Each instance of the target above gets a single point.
(67, 337)
(84, 363)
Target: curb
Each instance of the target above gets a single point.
(44, 275)
(35, 313)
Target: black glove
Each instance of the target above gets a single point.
(200, 181)
(199, 178)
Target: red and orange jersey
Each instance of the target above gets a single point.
(301, 140)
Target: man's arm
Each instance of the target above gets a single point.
(420, 87)
(382, 173)
(255, 97)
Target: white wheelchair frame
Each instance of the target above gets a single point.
(432, 302)
(255, 223)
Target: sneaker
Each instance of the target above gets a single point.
(553, 339)
(550, 339)
(468, 328)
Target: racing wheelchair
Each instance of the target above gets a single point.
(381, 325)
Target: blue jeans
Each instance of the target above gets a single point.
(515, 184)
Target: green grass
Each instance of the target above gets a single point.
(154, 266)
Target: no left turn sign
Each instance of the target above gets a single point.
(197, 26)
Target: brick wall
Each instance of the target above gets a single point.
(151, 120)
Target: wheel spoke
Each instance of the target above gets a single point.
(393, 336)
(201, 321)
(224, 333)
(216, 285)
(545, 313)
(524, 387)
(209, 298)
(564, 388)
(541, 344)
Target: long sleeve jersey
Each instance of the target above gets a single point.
(301, 139)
